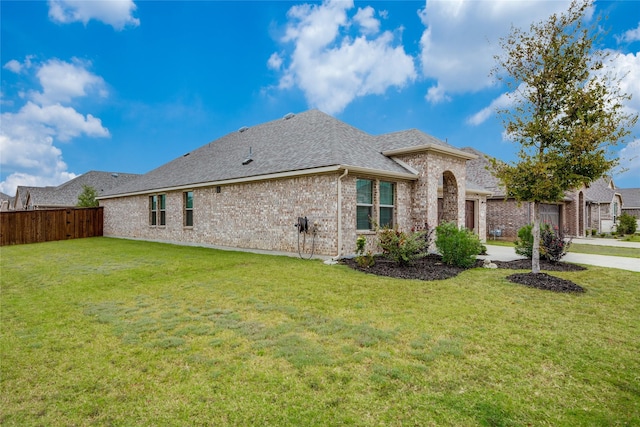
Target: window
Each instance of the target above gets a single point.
(364, 203)
(157, 209)
(188, 208)
(153, 210)
(162, 199)
(386, 203)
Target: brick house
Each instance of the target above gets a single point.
(248, 188)
(505, 216)
(596, 207)
(631, 206)
(603, 205)
(66, 195)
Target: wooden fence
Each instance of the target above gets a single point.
(19, 227)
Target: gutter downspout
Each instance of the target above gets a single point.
(346, 172)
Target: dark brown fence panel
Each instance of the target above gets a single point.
(20, 227)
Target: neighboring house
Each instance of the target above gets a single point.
(631, 199)
(631, 206)
(5, 201)
(248, 188)
(505, 216)
(66, 195)
(603, 205)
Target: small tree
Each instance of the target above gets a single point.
(87, 199)
(566, 111)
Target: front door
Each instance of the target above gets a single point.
(470, 214)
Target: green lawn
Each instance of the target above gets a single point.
(114, 332)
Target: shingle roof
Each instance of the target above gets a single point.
(600, 191)
(308, 140)
(66, 194)
(478, 173)
(630, 197)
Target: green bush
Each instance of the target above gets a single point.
(402, 247)
(524, 243)
(458, 246)
(553, 244)
(626, 224)
(364, 260)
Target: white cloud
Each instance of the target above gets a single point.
(117, 13)
(462, 37)
(18, 67)
(481, 116)
(333, 68)
(62, 81)
(13, 66)
(28, 136)
(275, 61)
(436, 94)
(627, 68)
(9, 185)
(365, 19)
(630, 160)
(630, 35)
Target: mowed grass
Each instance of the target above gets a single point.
(115, 332)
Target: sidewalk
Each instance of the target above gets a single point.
(605, 242)
(508, 253)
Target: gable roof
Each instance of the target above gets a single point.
(309, 142)
(66, 194)
(630, 197)
(601, 191)
(478, 172)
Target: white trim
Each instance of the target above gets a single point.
(431, 147)
(279, 175)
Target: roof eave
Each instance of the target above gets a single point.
(266, 177)
(431, 147)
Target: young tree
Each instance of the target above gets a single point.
(87, 199)
(566, 111)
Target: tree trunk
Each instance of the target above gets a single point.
(535, 255)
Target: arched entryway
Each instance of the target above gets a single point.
(448, 204)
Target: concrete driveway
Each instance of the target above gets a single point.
(508, 253)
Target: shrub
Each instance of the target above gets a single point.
(364, 260)
(458, 246)
(402, 247)
(553, 245)
(524, 243)
(626, 224)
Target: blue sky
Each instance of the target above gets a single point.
(126, 86)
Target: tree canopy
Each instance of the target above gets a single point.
(87, 199)
(566, 110)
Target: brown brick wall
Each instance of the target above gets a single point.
(507, 216)
(257, 215)
(261, 215)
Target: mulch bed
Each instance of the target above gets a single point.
(431, 267)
